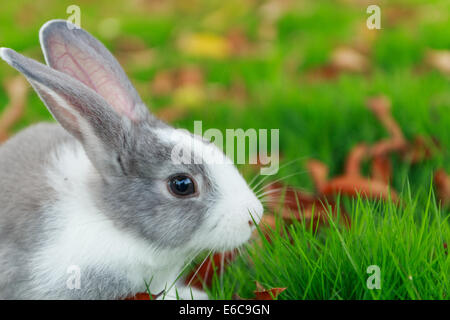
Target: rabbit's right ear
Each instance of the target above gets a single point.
(70, 49)
(80, 110)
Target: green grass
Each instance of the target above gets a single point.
(317, 119)
(405, 242)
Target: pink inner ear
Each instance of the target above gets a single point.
(78, 64)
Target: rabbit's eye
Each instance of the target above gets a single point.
(181, 185)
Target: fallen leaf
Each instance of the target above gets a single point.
(387, 146)
(16, 89)
(189, 96)
(396, 14)
(420, 149)
(266, 294)
(171, 114)
(364, 38)
(167, 81)
(202, 275)
(381, 107)
(267, 226)
(439, 60)
(238, 42)
(137, 60)
(352, 183)
(129, 43)
(318, 172)
(268, 221)
(381, 169)
(347, 59)
(343, 59)
(271, 10)
(326, 72)
(354, 159)
(267, 31)
(296, 204)
(163, 83)
(207, 45)
(442, 183)
(133, 53)
(352, 186)
(189, 76)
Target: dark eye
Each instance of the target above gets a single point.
(182, 185)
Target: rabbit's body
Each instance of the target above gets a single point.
(23, 190)
(101, 206)
(47, 167)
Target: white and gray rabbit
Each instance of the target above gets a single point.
(100, 193)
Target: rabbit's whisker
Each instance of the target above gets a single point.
(264, 178)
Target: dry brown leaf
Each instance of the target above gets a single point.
(267, 221)
(133, 52)
(439, 59)
(396, 14)
(347, 59)
(318, 172)
(420, 149)
(203, 274)
(266, 294)
(442, 183)
(364, 38)
(294, 204)
(352, 186)
(129, 43)
(386, 146)
(381, 107)
(381, 169)
(163, 83)
(189, 96)
(16, 89)
(166, 81)
(207, 45)
(343, 59)
(238, 42)
(267, 226)
(262, 294)
(327, 72)
(267, 31)
(186, 85)
(354, 159)
(189, 76)
(171, 114)
(138, 60)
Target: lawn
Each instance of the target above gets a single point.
(279, 64)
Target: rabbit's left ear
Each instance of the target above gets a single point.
(75, 52)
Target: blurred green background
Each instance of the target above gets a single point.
(305, 67)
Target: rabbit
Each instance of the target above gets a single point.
(95, 206)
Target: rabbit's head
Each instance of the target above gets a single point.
(143, 188)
